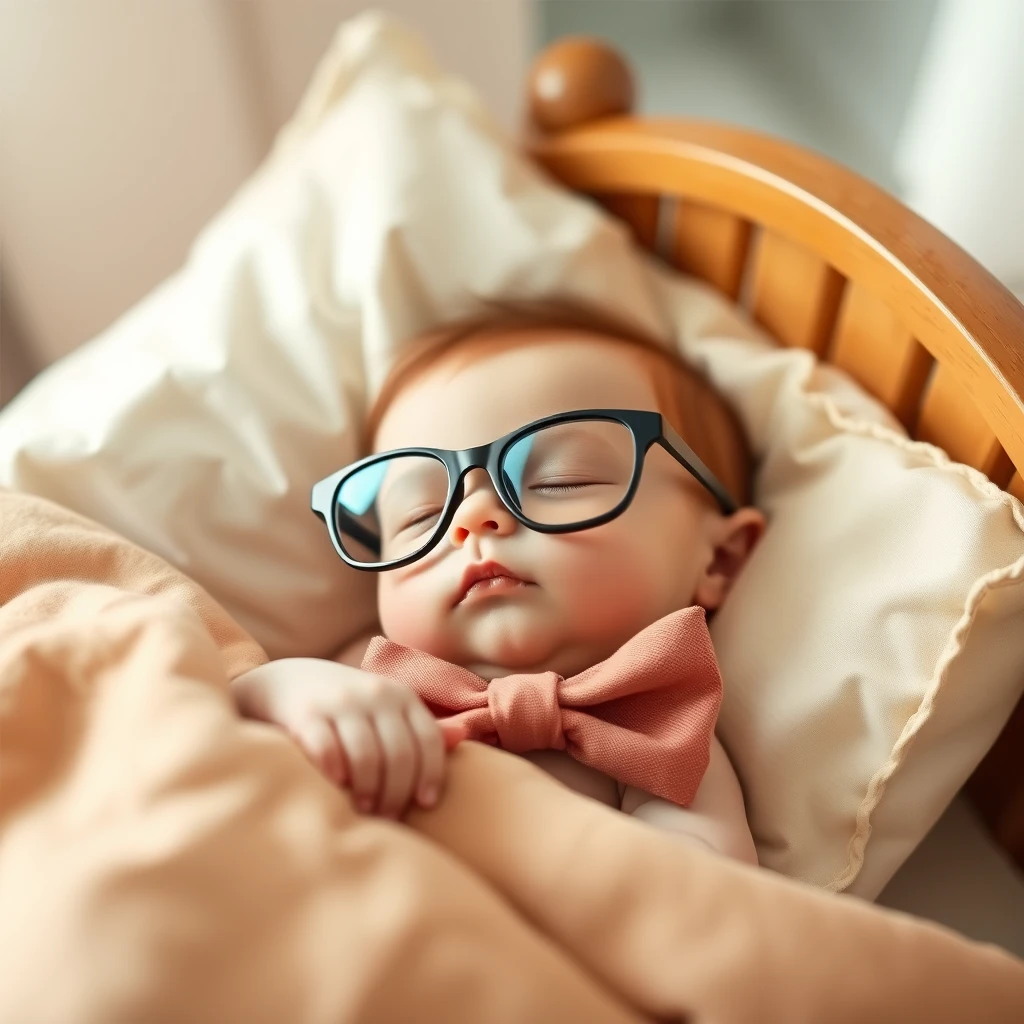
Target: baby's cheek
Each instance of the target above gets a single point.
(408, 616)
(606, 596)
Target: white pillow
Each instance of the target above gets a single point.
(197, 423)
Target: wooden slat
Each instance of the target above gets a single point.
(710, 244)
(1016, 487)
(880, 353)
(638, 210)
(795, 294)
(997, 789)
(950, 419)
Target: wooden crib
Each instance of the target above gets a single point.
(823, 259)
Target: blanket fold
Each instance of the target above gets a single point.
(162, 860)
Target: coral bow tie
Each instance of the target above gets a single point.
(645, 716)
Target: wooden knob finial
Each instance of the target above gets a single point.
(576, 80)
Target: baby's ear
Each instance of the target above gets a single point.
(733, 538)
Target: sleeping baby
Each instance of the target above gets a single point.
(554, 505)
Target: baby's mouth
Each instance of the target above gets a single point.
(488, 579)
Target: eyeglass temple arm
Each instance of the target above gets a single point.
(685, 455)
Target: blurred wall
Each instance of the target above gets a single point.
(125, 125)
(834, 75)
(925, 97)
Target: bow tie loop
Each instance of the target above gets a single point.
(526, 713)
(644, 716)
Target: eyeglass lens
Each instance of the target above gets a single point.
(563, 474)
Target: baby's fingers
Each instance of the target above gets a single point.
(363, 755)
(431, 744)
(452, 733)
(401, 762)
(318, 741)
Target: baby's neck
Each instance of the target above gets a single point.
(568, 660)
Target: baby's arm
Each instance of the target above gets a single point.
(716, 817)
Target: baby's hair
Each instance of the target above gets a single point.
(699, 414)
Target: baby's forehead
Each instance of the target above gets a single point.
(461, 401)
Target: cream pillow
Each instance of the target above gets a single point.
(874, 647)
(196, 425)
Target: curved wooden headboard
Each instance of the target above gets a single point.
(824, 260)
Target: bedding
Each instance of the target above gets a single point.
(162, 859)
(871, 651)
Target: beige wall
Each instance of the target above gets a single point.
(16, 366)
(127, 123)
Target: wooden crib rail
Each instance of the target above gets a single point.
(823, 259)
(832, 250)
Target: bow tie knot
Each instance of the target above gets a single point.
(645, 716)
(525, 712)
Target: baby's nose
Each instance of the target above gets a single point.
(481, 511)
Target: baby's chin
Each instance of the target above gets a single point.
(503, 644)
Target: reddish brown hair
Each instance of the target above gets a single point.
(699, 414)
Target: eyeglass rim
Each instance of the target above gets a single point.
(647, 428)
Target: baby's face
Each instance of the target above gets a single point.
(584, 594)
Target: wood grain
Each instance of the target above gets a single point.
(995, 787)
(874, 348)
(710, 244)
(950, 420)
(795, 293)
(640, 212)
(1016, 487)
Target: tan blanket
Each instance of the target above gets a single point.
(161, 860)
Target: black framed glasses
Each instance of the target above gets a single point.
(568, 472)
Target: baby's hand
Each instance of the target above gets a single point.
(366, 732)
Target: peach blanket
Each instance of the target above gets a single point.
(161, 860)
